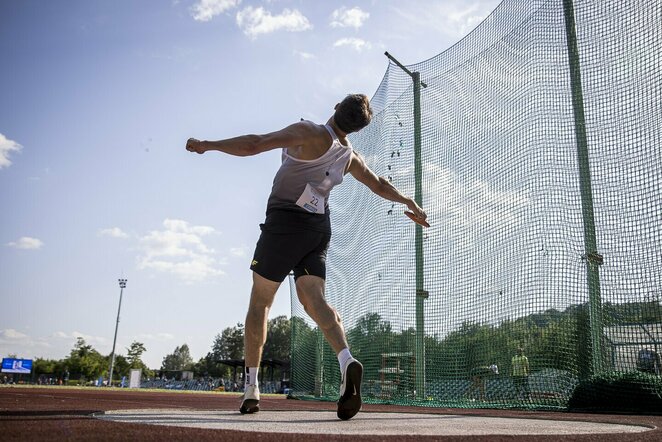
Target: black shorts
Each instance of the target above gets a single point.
(282, 249)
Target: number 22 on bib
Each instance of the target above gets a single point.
(311, 200)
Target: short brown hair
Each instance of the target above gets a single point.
(353, 113)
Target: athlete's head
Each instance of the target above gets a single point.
(353, 113)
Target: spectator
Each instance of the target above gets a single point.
(648, 361)
(478, 376)
(520, 373)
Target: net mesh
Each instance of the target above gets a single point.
(507, 316)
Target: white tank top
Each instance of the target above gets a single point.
(300, 183)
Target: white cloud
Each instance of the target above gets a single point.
(205, 10)
(12, 334)
(304, 55)
(74, 335)
(469, 205)
(356, 43)
(26, 243)
(53, 346)
(113, 232)
(163, 336)
(239, 251)
(473, 206)
(179, 249)
(6, 147)
(256, 21)
(455, 18)
(346, 18)
(463, 18)
(14, 342)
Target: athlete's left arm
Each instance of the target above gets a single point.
(380, 185)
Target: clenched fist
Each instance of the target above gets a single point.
(193, 145)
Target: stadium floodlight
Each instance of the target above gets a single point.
(112, 354)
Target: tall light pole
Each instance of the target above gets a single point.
(112, 355)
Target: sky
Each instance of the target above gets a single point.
(97, 101)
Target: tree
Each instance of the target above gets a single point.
(206, 366)
(278, 339)
(47, 366)
(304, 350)
(135, 351)
(229, 344)
(180, 359)
(86, 361)
(371, 337)
(81, 348)
(121, 367)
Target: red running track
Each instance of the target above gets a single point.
(59, 413)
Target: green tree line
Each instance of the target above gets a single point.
(229, 345)
(86, 363)
(551, 339)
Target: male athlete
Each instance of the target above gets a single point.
(297, 230)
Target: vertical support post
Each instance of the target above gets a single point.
(117, 324)
(319, 362)
(593, 258)
(421, 294)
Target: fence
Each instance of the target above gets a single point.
(534, 145)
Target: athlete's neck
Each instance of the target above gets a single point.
(342, 136)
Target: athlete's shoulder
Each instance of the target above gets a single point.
(307, 129)
(308, 125)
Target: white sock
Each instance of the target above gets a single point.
(343, 358)
(251, 375)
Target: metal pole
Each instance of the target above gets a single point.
(112, 354)
(593, 258)
(421, 294)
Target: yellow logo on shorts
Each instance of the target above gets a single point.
(253, 263)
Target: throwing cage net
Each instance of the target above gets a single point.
(534, 145)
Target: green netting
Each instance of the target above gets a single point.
(514, 240)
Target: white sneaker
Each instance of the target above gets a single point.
(251, 401)
(350, 390)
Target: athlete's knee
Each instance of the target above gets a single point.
(263, 292)
(260, 301)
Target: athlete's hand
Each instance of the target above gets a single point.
(193, 145)
(420, 213)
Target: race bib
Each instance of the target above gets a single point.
(311, 200)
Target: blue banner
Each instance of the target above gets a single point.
(21, 366)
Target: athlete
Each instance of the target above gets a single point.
(297, 230)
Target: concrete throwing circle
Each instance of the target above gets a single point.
(365, 423)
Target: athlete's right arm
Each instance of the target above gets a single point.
(293, 135)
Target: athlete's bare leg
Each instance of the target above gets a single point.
(255, 329)
(311, 294)
(310, 290)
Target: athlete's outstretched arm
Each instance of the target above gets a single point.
(381, 186)
(245, 145)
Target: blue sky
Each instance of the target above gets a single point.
(98, 99)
